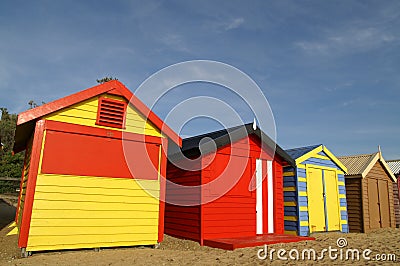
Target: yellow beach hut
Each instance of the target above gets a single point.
(314, 192)
(93, 172)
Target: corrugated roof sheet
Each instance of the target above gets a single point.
(356, 164)
(297, 152)
(394, 166)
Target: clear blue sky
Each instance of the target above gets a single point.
(329, 69)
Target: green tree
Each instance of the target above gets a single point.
(10, 165)
(105, 79)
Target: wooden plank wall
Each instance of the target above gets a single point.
(24, 181)
(354, 204)
(290, 200)
(86, 212)
(279, 211)
(296, 217)
(377, 172)
(85, 113)
(182, 221)
(73, 211)
(233, 214)
(396, 203)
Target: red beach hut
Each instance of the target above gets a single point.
(229, 194)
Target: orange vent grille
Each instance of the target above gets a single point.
(111, 113)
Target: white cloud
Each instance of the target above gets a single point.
(224, 24)
(234, 23)
(175, 41)
(352, 39)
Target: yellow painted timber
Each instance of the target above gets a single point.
(13, 224)
(294, 233)
(92, 214)
(303, 208)
(341, 183)
(91, 245)
(343, 208)
(112, 192)
(332, 200)
(289, 189)
(343, 221)
(87, 241)
(290, 204)
(320, 167)
(303, 193)
(316, 209)
(303, 223)
(336, 160)
(290, 218)
(91, 230)
(140, 198)
(314, 153)
(85, 113)
(96, 182)
(309, 154)
(143, 204)
(318, 156)
(14, 231)
(302, 179)
(76, 221)
(80, 211)
(291, 173)
(342, 196)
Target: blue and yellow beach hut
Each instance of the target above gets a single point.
(314, 192)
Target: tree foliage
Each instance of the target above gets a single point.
(10, 165)
(105, 79)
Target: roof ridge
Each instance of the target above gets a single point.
(216, 131)
(357, 155)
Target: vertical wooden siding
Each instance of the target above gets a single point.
(233, 214)
(377, 173)
(278, 197)
(354, 204)
(182, 221)
(396, 203)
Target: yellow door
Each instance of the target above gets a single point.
(315, 193)
(332, 200)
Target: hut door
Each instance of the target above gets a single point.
(373, 204)
(259, 197)
(316, 208)
(270, 188)
(384, 203)
(264, 197)
(332, 200)
(378, 203)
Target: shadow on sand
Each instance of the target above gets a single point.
(7, 213)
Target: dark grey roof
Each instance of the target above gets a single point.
(191, 146)
(297, 152)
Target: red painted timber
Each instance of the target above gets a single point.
(31, 184)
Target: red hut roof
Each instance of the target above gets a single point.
(26, 120)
